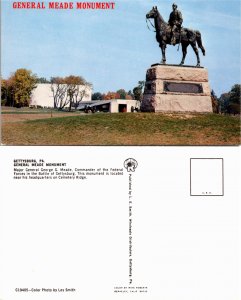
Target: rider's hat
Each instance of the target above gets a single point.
(174, 4)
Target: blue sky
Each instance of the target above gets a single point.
(112, 49)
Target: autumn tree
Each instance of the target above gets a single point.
(119, 94)
(111, 95)
(18, 87)
(69, 91)
(59, 91)
(128, 97)
(77, 88)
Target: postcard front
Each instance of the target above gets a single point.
(120, 156)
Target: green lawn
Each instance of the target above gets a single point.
(27, 110)
(125, 129)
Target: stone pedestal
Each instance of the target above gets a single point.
(172, 88)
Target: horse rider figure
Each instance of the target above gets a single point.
(175, 21)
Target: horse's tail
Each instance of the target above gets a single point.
(199, 41)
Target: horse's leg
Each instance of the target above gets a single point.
(199, 41)
(163, 48)
(195, 49)
(184, 52)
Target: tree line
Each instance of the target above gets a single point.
(136, 93)
(229, 103)
(67, 91)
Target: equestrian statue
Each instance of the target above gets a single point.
(173, 33)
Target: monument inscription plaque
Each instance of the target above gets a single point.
(176, 87)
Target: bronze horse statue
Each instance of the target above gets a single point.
(185, 38)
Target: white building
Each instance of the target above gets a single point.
(112, 106)
(42, 95)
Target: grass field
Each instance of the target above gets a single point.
(118, 129)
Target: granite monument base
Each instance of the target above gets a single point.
(172, 88)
